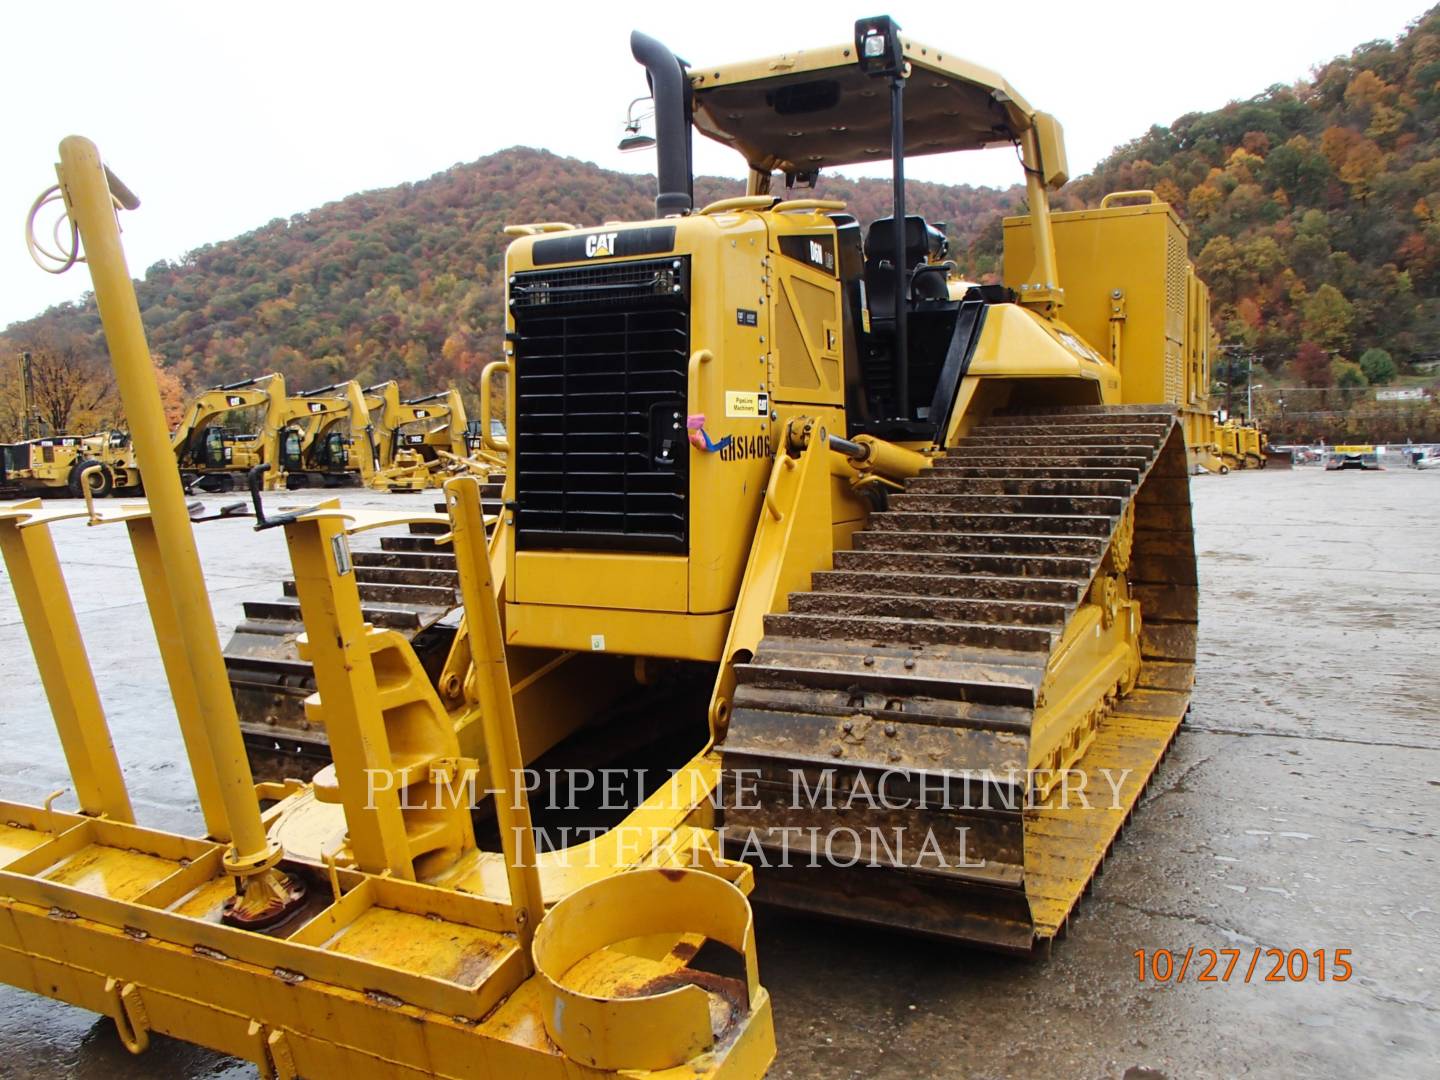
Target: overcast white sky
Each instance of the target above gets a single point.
(224, 116)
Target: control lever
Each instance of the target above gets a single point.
(254, 478)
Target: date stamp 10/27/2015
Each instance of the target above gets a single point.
(1258, 964)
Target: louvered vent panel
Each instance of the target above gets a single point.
(601, 353)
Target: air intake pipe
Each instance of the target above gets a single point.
(671, 91)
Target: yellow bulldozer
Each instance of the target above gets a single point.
(1242, 445)
(924, 533)
(1004, 584)
(54, 464)
(883, 584)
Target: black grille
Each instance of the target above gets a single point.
(601, 352)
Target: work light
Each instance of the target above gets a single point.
(877, 46)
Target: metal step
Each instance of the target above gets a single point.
(900, 629)
(1095, 457)
(971, 586)
(932, 483)
(1007, 438)
(423, 544)
(390, 594)
(287, 609)
(884, 551)
(931, 605)
(945, 470)
(371, 574)
(892, 537)
(1067, 525)
(419, 560)
(1011, 505)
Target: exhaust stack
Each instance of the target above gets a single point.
(671, 91)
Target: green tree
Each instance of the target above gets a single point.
(1347, 374)
(1327, 317)
(1222, 266)
(1378, 367)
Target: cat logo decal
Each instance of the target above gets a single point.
(600, 245)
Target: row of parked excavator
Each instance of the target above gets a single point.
(331, 436)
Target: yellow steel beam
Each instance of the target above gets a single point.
(91, 206)
(789, 546)
(183, 692)
(44, 601)
(497, 704)
(167, 635)
(1046, 291)
(336, 646)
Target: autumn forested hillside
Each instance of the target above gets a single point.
(399, 283)
(1314, 210)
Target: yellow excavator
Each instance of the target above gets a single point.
(426, 424)
(301, 437)
(416, 438)
(211, 454)
(883, 584)
(338, 437)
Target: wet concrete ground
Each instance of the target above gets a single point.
(1297, 810)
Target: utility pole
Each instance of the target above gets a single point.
(1249, 388)
(1229, 378)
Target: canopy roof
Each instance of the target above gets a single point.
(816, 109)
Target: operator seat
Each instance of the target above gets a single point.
(930, 321)
(880, 266)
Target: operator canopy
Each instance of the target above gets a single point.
(818, 108)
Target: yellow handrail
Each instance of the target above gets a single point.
(792, 206)
(1140, 193)
(490, 442)
(739, 202)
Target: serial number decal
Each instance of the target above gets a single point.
(746, 447)
(1258, 965)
